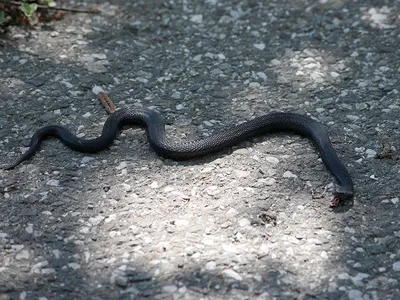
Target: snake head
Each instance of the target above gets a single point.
(341, 194)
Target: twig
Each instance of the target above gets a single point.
(75, 10)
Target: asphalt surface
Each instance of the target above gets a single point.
(241, 224)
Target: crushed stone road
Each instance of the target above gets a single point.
(240, 224)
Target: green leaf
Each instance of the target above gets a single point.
(2, 17)
(28, 9)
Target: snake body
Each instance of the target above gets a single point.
(180, 150)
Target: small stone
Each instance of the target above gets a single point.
(244, 222)
(343, 276)
(176, 95)
(211, 265)
(212, 190)
(275, 62)
(29, 229)
(53, 182)
(242, 174)
(289, 174)
(225, 225)
(121, 281)
(229, 248)
(370, 153)
(154, 185)
(272, 160)
(254, 84)
(196, 18)
(394, 200)
(231, 212)
(197, 57)
(74, 266)
(100, 56)
(335, 75)
(355, 294)
(232, 274)
(169, 288)
(260, 46)
(87, 115)
(24, 254)
(352, 117)
(122, 165)
(86, 159)
(96, 220)
(396, 266)
(357, 280)
(262, 75)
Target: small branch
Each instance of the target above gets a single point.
(74, 10)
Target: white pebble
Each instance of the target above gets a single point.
(196, 18)
(229, 248)
(370, 153)
(74, 266)
(244, 222)
(396, 266)
(122, 165)
(262, 75)
(289, 174)
(29, 228)
(53, 182)
(211, 265)
(275, 62)
(232, 274)
(169, 288)
(97, 89)
(260, 46)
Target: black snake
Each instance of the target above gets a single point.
(180, 150)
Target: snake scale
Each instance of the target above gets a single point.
(180, 150)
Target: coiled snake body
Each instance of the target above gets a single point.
(155, 126)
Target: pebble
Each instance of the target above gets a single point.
(232, 274)
(170, 288)
(254, 84)
(122, 165)
(352, 117)
(262, 75)
(272, 160)
(229, 248)
(74, 266)
(357, 280)
(289, 174)
(211, 265)
(176, 95)
(244, 222)
(196, 18)
(231, 213)
(86, 159)
(53, 182)
(370, 153)
(242, 174)
(275, 62)
(396, 266)
(24, 254)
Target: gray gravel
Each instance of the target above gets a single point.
(241, 224)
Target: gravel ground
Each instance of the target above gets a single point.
(241, 224)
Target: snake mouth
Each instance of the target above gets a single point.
(340, 197)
